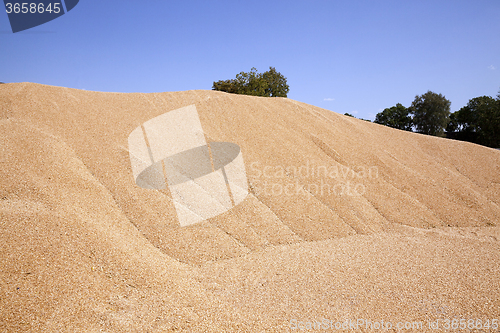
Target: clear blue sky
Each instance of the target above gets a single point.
(346, 56)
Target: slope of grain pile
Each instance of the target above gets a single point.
(345, 219)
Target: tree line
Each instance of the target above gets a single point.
(477, 122)
(268, 84)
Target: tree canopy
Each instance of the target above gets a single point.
(431, 113)
(268, 84)
(396, 117)
(478, 122)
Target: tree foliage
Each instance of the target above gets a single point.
(268, 84)
(431, 113)
(397, 117)
(478, 122)
(276, 83)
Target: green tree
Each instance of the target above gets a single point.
(252, 83)
(276, 83)
(268, 84)
(397, 117)
(478, 122)
(431, 113)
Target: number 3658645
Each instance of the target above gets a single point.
(32, 8)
